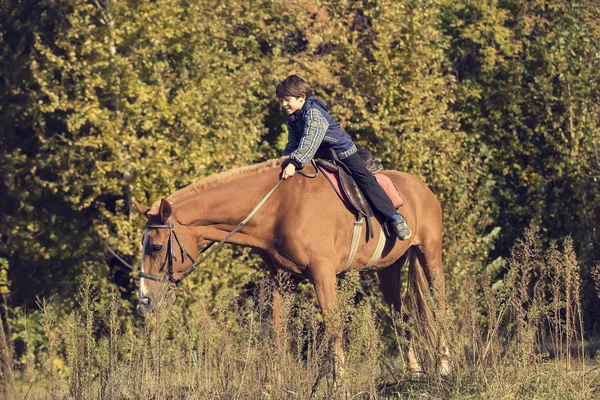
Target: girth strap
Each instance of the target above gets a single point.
(378, 250)
(356, 233)
(358, 224)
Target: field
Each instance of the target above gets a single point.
(511, 341)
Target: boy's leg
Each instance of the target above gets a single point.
(369, 186)
(376, 195)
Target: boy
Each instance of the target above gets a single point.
(312, 132)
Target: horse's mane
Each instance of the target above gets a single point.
(213, 181)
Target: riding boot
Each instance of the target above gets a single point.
(399, 224)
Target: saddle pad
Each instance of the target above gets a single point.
(385, 182)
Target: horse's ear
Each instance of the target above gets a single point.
(140, 207)
(164, 212)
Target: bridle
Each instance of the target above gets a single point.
(175, 283)
(170, 257)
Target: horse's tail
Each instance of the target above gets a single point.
(420, 299)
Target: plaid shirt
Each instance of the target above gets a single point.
(314, 133)
(303, 149)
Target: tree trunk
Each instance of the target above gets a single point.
(6, 379)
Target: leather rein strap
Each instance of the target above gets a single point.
(170, 256)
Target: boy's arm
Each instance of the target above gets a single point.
(292, 141)
(314, 131)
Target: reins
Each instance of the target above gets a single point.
(203, 255)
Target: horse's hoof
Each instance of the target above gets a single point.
(445, 367)
(416, 374)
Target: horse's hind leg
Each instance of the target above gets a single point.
(390, 283)
(429, 257)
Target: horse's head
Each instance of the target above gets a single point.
(165, 248)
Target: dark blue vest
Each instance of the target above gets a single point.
(335, 138)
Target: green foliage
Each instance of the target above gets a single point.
(494, 104)
(4, 282)
(527, 90)
(123, 100)
(28, 338)
(120, 108)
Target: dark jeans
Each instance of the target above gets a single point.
(372, 190)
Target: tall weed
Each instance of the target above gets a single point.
(514, 335)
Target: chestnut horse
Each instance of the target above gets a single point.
(303, 228)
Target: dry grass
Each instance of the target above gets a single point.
(520, 337)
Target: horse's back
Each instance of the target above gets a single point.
(420, 204)
(413, 190)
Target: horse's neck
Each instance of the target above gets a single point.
(213, 213)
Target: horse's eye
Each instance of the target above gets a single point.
(157, 248)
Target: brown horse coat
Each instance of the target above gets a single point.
(303, 228)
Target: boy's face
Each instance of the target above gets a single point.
(292, 104)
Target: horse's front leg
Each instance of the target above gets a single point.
(281, 287)
(278, 280)
(277, 316)
(324, 280)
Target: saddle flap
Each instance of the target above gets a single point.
(354, 194)
(339, 177)
(350, 192)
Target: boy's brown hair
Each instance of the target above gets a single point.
(293, 86)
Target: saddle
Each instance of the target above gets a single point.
(350, 190)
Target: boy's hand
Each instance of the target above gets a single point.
(288, 171)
